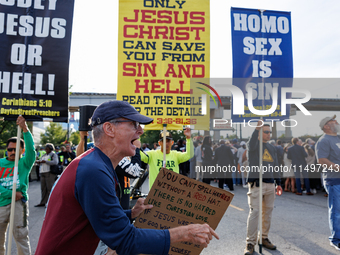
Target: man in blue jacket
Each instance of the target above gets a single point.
(84, 207)
(269, 162)
(298, 155)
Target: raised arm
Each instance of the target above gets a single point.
(80, 148)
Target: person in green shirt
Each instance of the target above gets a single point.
(20, 230)
(173, 158)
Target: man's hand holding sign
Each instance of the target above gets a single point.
(139, 208)
(190, 209)
(199, 234)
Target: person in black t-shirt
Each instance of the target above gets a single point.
(67, 156)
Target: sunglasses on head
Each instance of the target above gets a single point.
(10, 149)
(267, 132)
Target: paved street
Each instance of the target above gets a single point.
(299, 224)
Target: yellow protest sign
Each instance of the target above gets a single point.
(155, 126)
(162, 45)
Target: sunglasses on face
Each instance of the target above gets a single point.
(10, 149)
(136, 124)
(267, 132)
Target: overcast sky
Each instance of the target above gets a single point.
(315, 35)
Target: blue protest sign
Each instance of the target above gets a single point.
(262, 61)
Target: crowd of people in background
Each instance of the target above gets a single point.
(49, 157)
(298, 156)
(307, 181)
(66, 153)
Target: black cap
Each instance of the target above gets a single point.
(168, 135)
(117, 109)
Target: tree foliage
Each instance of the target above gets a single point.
(8, 129)
(75, 138)
(152, 136)
(177, 134)
(54, 134)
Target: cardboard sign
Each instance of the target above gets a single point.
(178, 200)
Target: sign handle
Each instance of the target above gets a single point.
(261, 162)
(164, 145)
(17, 152)
(85, 144)
(260, 186)
(14, 190)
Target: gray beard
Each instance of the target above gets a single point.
(335, 128)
